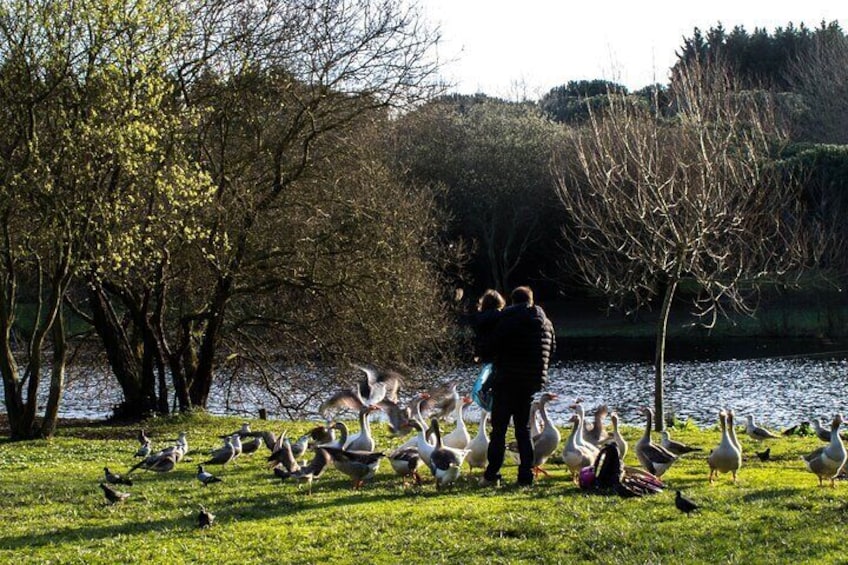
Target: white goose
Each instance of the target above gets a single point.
(478, 448)
(362, 440)
(574, 454)
(425, 448)
(726, 457)
(654, 458)
(546, 442)
(825, 462)
(581, 437)
(598, 434)
(459, 437)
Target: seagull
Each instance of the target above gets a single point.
(205, 518)
(222, 455)
(676, 447)
(251, 446)
(206, 477)
(115, 479)
(764, 455)
(684, 504)
(160, 462)
(243, 431)
(112, 495)
(756, 432)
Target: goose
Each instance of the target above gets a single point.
(546, 442)
(360, 466)
(459, 438)
(581, 437)
(597, 434)
(405, 462)
(442, 400)
(726, 457)
(825, 462)
(370, 391)
(731, 429)
(112, 495)
(536, 428)
(282, 455)
(756, 432)
(445, 462)
(574, 454)
(425, 448)
(116, 479)
(315, 469)
(299, 447)
(341, 440)
(478, 447)
(205, 477)
(654, 458)
(676, 447)
(222, 455)
(362, 440)
(617, 437)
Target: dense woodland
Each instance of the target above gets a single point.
(209, 184)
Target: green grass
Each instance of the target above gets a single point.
(53, 511)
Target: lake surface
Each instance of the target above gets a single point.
(780, 392)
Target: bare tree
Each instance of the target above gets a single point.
(657, 201)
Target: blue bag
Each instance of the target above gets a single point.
(483, 398)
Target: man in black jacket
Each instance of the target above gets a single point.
(523, 342)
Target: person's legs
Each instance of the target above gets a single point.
(521, 420)
(497, 441)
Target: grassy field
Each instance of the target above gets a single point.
(53, 511)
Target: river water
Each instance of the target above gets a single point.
(779, 392)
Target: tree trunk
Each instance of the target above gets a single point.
(138, 403)
(201, 384)
(659, 357)
(57, 377)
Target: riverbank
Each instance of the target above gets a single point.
(53, 510)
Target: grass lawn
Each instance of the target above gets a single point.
(52, 510)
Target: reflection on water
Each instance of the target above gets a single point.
(780, 392)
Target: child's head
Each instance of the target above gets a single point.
(491, 300)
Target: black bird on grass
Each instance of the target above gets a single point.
(205, 477)
(113, 495)
(684, 504)
(764, 455)
(116, 479)
(205, 518)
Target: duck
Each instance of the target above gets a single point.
(825, 462)
(445, 462)
(459, 438)
(547, 441)
(314, 470)
(478, 447)
(360, 466)
(362, 440)
(574, 454)
(617, 437)
(756, 432)
(726, 457)
(405, 462)
(654, 458)
(597, 435)
(674, 446)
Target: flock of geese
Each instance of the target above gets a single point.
(444, 454)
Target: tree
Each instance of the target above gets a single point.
(572, 103)
(273, 85)
(492, 158)
(84, 146)
(694, 199)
